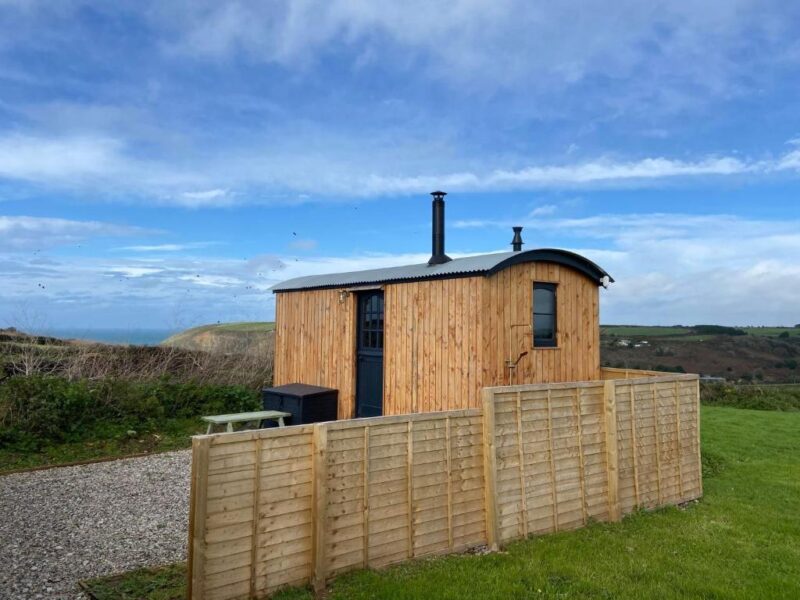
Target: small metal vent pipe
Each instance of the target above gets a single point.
(516, 243)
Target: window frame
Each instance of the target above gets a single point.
(371, 322)
(544, 342)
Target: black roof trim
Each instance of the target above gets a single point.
(554, 255)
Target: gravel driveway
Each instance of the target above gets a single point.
(62, 525)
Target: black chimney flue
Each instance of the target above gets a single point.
(438, 256)
(516, 243)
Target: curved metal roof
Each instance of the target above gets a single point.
(468, 266)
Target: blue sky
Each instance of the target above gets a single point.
(162, 164)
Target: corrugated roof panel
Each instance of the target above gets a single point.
(479, 264)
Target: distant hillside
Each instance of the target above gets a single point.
(226, 337)
(246, 359)
(769, 354)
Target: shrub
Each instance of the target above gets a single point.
(753, 397)
(669, 369)
(717, 330)
(39, 409)
(783, 334)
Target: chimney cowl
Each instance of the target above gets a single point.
(516, 243)
(438, 256)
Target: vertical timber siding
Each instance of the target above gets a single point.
(298, 505)
(444, 339)
(433, 350)
(315, 342)
(507, 332)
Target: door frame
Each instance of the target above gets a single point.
(356, 294)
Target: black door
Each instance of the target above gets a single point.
(369, 352)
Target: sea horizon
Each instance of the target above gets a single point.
(111, 335)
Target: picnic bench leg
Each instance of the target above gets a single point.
(280, 422)
(229, 429)
(210, 427)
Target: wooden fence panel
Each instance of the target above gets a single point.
(289, 506)
(659, 453)
(568, 453)
(551, 458)
(251, 512)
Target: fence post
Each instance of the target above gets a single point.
(198, 499)
(319, 507)
(490, 470)
(256, 510)
(612, 461)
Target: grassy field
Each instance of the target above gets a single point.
(642, 330)
(223, 329)
(242, 327)
(741, 541)
(246, 337)
(687, 333)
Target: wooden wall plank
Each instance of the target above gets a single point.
(315, 342)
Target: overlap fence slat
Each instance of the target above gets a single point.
(298, 505)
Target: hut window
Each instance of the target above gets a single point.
(371, 326)
(544, 314)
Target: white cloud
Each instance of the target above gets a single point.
(505, 42)
(166, 247)
(303, 244)
(56, 159)
(607, 170)
(688, 268)
(134, 271)
(104, 165)
(206, 198)
(669, 268)
(788, 162)
(35, 233)
(219, 281)
(543, 210)
(567, 65)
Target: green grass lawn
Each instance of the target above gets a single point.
(742, 540)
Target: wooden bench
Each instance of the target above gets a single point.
(229, 420)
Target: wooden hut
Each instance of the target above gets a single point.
(428, 337)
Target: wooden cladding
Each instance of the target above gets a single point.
(289, 506)
(315, 342)
(508, 308)
(445, 339)
(433, 352)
